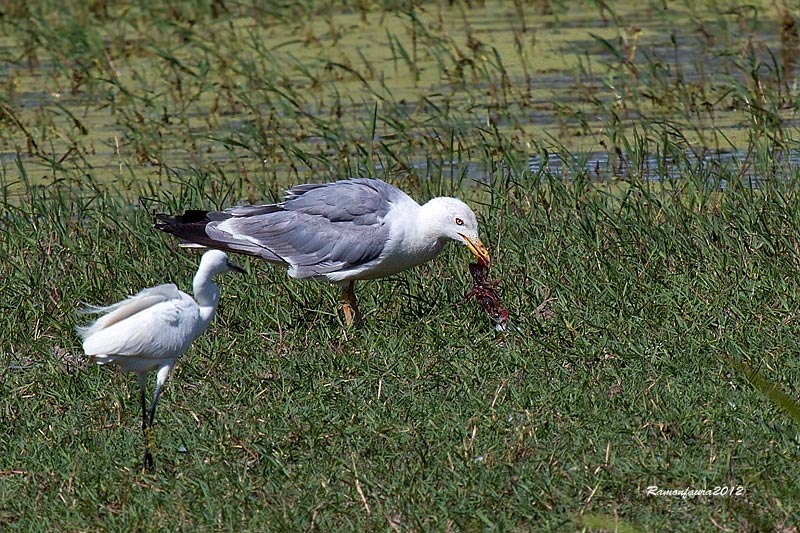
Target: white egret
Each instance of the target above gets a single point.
(340, 232)
(152, 329)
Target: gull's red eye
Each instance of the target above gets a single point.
(459, 222)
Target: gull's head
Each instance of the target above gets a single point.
(216, 262)
(456, 221)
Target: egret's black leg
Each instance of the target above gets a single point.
(152, 414)
(148, 432)
(144, 410)
(147, 461)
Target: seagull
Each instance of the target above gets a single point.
(152, 329)
(339, 232)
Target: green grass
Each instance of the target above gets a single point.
(655, 324)
(437, 421)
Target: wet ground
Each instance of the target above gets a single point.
(435, 90)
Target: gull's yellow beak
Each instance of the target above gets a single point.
(477, 248)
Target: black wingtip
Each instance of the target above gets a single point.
(189, 226)
(191, 216)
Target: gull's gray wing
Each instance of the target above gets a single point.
(318, 229)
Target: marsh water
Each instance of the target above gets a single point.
(435, 89)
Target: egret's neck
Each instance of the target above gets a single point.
(206, 293)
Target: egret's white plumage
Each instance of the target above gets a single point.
(152, 329)
(340, 232)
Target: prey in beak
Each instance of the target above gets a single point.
(478, 249)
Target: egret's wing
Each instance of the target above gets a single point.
(140, 301)
(164, 329)
(319, 228)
